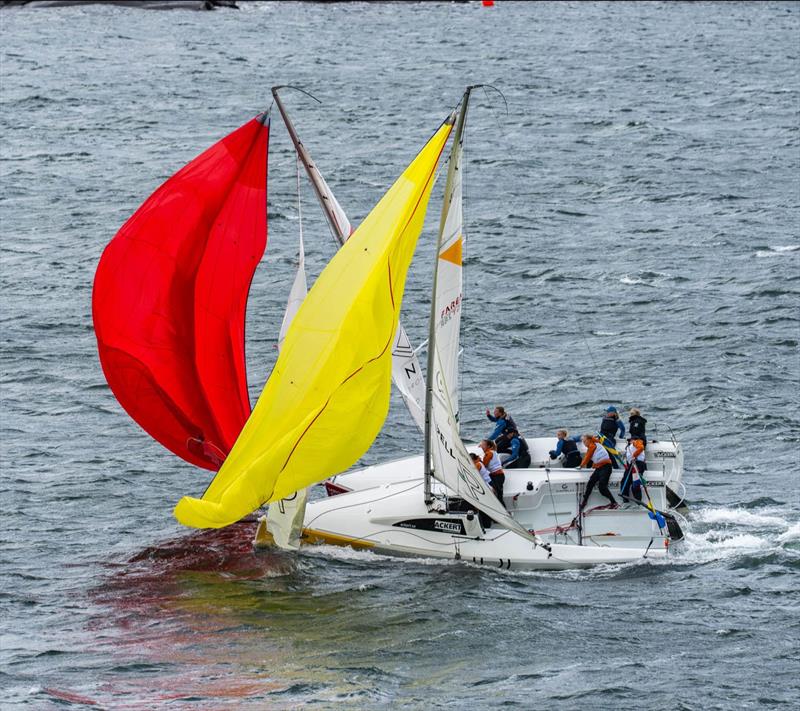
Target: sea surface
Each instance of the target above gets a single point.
(633, 238)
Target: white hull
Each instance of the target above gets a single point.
(387, 514)
(392, 519)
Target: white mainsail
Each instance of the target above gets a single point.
(449, 289)
(300, 285)
(406, 370)
(446, 457)
(451, 463)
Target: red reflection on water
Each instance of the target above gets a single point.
(182, 620)
(69, 696)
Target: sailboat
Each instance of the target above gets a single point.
(168, 306)
(431, 506)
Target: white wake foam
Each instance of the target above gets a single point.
(778, 251)
(630, 281)
(719, 533)
(791, 535)
(740, 517)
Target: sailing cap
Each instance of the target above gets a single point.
(611, 408)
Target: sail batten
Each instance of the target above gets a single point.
(328, 394)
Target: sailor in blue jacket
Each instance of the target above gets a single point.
(520, 452)
(504, 423)
(568, 447)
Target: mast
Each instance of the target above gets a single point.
(340, 225)
(432, 354)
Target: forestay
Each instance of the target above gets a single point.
(328, 394)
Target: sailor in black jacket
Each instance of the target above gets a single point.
(637, 425)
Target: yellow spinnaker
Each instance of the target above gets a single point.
(328, 395)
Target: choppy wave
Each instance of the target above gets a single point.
(739, 517)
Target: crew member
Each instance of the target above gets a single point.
(635, 466)
(600, 460)
(482, 470)
(503, 423)
(610, 424)
(520, 452)
(567, 449)
(637, 424)
(492, 462)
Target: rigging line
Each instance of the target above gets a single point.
(465, 246)
(493, 88)
(553, 501)
(465, 191)
(462, 167)
(591, 356)
(299, 204)
(296, 88)
(491, 109)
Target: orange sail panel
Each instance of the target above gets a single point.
(170, 294)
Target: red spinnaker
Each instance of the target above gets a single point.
(170, 294)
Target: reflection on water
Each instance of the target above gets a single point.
(205, 616)
(179, 618)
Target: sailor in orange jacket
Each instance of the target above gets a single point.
(600, 460)
(492, 462)
(635, 465)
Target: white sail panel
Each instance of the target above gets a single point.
(339, 222)
(297, 293)
(408, 378)
(285, 520)
(449, 290)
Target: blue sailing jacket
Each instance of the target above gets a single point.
(502, 425)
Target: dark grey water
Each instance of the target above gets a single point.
(643, 190)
